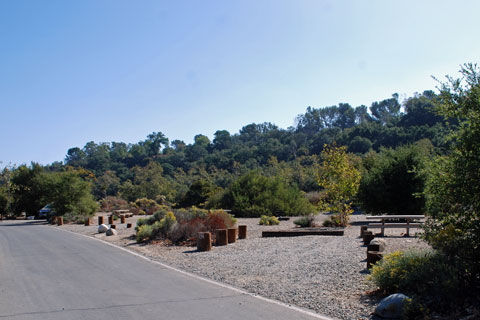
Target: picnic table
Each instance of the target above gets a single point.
(412, 221)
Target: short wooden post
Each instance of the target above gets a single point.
(367, 237)
(373, 257)
(221, 237)
(204, 241)
(362, 230)
(374, 247)
(242, 232)
(112, 226)
(232, 235)
(110, 219)
(59, 221)
(129, 225)
(87, 222)
(100, 220)
(408, 227)
(382, 232)
(122, 218)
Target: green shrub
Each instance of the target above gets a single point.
(425, 275)
(305, 221)
(254, 194)
(144, 233)
(393, 182)
(332, 221)
(269, 221)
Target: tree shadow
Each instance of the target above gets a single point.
(24, 224)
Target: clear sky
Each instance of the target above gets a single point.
(115, 70)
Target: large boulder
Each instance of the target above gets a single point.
(111, 232)
(391, 307)
(377, 245)
(102, 228)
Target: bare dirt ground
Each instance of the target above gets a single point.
(326, 274)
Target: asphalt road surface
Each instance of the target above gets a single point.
(47, 273)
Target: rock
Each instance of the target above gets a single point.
(391, 307)
(379, 244)
(102, 228)
(112, 232)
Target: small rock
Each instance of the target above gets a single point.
(102, 228)
(111, 232)
(391, 307)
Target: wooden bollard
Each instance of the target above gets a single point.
(110, 219)
(112, 226)
(100, 220)
(59, 221)
(221, 237)
(242, 232)
(129, 225)
(374, 247)
(232, 235)
(87, 222)
(373, 257)
(362, 230)
(367, 237)
(204, 241)
(122, 219)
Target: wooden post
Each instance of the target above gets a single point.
(112, 226)
(122, 218)
(408, 227)
(242, 232)
(204, 241)
(221, 237)
(373, 257)
(367, 237)
(59, 221)
(382, 233)
(362, 230)
(87, 222)
(110, 219)
(100, 220)
(232, 235)
(129, 225)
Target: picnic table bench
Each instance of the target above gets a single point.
(412, 221)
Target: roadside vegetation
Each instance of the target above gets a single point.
(417, 156)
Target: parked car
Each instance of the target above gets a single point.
(45, 212)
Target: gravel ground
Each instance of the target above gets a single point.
(322, 273)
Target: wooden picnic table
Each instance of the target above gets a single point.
(409, 224)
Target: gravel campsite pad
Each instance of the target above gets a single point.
(326, 274)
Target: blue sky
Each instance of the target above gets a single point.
(115, 70)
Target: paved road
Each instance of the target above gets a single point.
(46, 273)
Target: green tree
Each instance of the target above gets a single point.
(452, 188)
(393, 181)
(341, 179)
(28, 189)
(70, 195)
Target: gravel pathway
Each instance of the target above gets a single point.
(322, 273)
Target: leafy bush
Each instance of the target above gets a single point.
(182, 225)
(305, 221)
(332, 221)
(393, 182)
(268, 221)
(424, 275)
(254, 194)
(144, 232)
(144, 206)
(111, 203)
